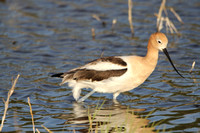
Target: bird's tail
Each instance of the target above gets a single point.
(59, 75)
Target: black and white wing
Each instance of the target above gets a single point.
(96, 70)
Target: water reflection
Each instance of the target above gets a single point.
(116, 118)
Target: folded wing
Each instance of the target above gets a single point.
(96, 70)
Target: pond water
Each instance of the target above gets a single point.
(38, 38)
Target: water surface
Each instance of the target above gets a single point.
(38, 38)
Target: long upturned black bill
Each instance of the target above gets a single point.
(167, 54)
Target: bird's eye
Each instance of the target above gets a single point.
(159, 41)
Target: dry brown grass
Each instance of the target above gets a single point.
(7, 101)
(114, 21)
(95, 16)
(163, 18)
(159, 16)
(31, 112)
(176, 14)
(193, 64)
(49, 131)
(93, 33)
(29, 103)
(193, 76)
(37, 130)
(130, 6)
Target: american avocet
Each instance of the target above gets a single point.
(116, 74)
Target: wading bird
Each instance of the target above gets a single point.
(116, 74)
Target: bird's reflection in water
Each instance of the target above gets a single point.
(115, 118)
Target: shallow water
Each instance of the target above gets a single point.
(38, 38)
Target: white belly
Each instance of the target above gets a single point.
(111, 85)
